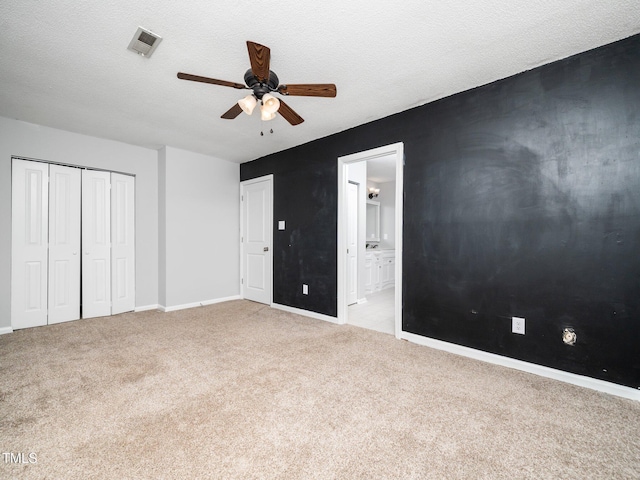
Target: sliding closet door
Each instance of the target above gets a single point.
(29, 220)
(96, 244)
(122, 243)
(64, 244)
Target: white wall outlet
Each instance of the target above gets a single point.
(305, 289)
(517, 325)
(280, 224)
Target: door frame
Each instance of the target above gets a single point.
(396, 149)
(267, 178)
(357, 232)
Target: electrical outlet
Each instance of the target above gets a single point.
(305, 289)
(517, 325)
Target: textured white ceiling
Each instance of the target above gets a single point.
(381, 169)
(65, 63)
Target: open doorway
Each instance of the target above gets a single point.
(379, 274)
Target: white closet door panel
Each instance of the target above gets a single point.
(64, 243)
(122, 243)
(96, 244)
(29, 227)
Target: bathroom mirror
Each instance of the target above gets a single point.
(373, 221)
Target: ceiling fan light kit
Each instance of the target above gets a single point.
(247, 104)
(263, 83)
(266, 116)
(270, 104)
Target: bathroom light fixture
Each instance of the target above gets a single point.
(373, 192)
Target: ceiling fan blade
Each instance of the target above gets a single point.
(289, 115)
(232, 113)
(309, 89)
(260, 56)
(224, 83)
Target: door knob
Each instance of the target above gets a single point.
(265, 249)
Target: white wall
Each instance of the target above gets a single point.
(162, 226)
(37, 142)
(387, 199)
(187, 213)
(199, 202)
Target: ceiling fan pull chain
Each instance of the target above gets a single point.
(262, 129)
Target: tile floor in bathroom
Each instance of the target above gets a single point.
(377, 313)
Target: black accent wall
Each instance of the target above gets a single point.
(522, 198)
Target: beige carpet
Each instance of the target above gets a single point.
(238, 390)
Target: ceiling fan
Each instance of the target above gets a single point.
(263, 82)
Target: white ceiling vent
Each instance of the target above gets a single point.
(144, 42)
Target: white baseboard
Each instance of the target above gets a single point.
(220, 300)
(145, 308)
(197, 304)
(164, 309)
(572, 378)
(4, 330)
(305, 313)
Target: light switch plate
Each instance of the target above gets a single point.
(305, 289)
(281, 225)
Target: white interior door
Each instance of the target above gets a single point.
(29, 237)
(257, 208)
(96, 244)
(64, 243)
(352, 243)
(122, 243)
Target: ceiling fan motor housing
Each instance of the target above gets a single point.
(260, 88)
